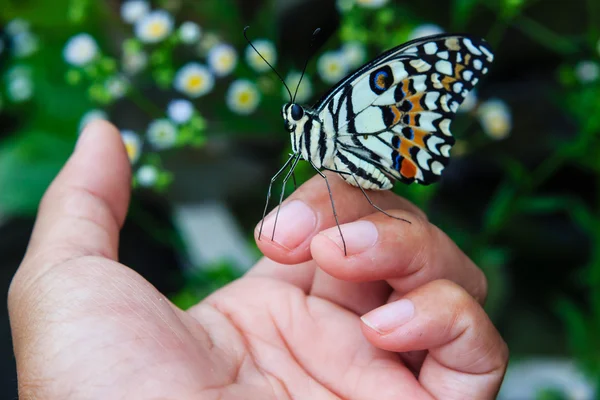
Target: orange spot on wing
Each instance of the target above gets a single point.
(397, 114)
(416, 102)
(419, 137)
(409, 169)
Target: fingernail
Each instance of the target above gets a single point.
(389, 317)
(359, 236)
(295, 222)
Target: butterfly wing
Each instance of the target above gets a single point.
(392, 117)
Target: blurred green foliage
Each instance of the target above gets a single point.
(44, 128)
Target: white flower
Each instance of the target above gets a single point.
(117, 86)
(425, 30)
(154, 26)
(495, 118)
(344, 5)
(16, 26)
(242, 97)
(133, 10)
(25, 44)
(134, 62)
(133, 145)
(587, 71)
(189, 32)
(194, 80)
(162, 134)
(147, 175)
(92, 115)
(267, 49)
(354, 53)
(222, 59)
(371, 3)
(305, 90)
(469, 103)
(332, 66)
(20, 89)
(80, 50)
(180, 111)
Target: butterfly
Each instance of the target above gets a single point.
(389, 120)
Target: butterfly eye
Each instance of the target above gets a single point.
(297, 112)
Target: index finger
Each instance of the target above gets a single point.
(308, 211)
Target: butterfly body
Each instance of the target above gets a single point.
(390, 120)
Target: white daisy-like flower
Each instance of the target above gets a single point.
(20, 89)
(133, 10)
(180, 111)
(371, 3)
(495, 118)
(147, 175)
(242, 97)
(354, 53)
(587, 71)
(92, 115)
(25, 44)
(80, 50)
(16, 26)
(189, 32)
(344, 5)
(305, 90)
(332, 66)
(162, 134)
(117, 86)
(134, 63)
(267, 49)
(425, 30)
(469, 103)
(194, 80)
(222, 59)
(133, 145)
(154, 26)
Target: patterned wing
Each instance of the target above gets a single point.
(395, 112)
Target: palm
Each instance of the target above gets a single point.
(259, 338)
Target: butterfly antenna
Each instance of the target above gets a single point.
(274, 70)
(312, 41)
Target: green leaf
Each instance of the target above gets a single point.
(28, 163)
(461, 13)
(498, 210)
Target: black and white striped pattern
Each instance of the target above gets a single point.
(390, 120)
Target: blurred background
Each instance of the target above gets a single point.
(200, 116)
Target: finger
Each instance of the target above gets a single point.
(82, 211)
(309, 211)
(300, 275)
(406, 255)
(466, 352)
(356, 297)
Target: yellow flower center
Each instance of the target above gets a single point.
(245, 97)
(132, 150)
(157, 29)
(333, 68)
(195, 82)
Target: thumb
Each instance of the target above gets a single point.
(84, 208)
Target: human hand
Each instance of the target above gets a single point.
(86, 327)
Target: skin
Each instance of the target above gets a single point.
(87, 327)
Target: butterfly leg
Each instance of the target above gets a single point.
(273, 179)
(285, 181)
(332, 205)
(375, 206)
